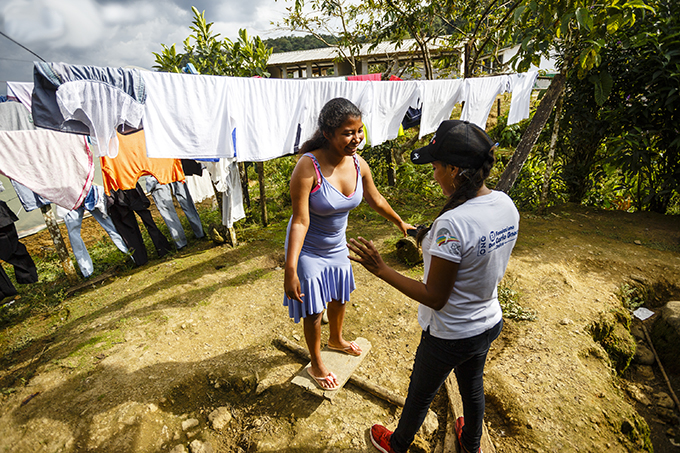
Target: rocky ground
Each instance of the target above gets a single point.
(179, 354)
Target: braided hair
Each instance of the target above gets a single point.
(332, 116)
(469, 180)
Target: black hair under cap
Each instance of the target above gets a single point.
(458, 143)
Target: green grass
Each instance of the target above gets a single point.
(509, 299)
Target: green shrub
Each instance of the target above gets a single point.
(509, 300)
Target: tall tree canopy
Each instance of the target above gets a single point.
(626, 130)
(244, 58)
(293, 43)
(345, 21)
(577, 30)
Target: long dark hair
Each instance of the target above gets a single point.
(469, 181)
(332, 116)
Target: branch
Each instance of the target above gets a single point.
(481, 48)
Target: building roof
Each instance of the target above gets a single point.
(330, 53)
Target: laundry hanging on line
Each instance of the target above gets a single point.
(200, 115)
(55, 165)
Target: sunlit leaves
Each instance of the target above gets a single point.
(244, 58)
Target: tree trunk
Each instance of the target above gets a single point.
(219, 198)
(427, 60)
(530, 137)
(551, 156)
(59, 243)
(467, 69)
(263, 197)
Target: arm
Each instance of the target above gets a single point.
(440, 278)
(376, 201)
(301, 183)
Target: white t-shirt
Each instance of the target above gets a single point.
(479, 235)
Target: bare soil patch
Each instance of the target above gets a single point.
(124, 362)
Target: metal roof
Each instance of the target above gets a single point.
(330, 53)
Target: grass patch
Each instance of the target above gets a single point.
(631, 296)
(509, 299)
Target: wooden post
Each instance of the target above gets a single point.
(219, 196)
(391, 177)
(244, 183)
(59, 243)
(456, 406)
(263, 196)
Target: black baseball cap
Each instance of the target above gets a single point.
(458, 143)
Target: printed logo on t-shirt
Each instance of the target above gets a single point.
(444, 238)
(497, 239)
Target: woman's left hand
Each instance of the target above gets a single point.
(367, 255)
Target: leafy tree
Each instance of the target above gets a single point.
(578, 31)
(292, 43)
(632, 135)
(404, 19)
(343, 20)
(244, 58)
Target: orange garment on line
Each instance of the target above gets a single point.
(123, 171)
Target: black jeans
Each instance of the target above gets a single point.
(122, 206)
(14, 252)
(434, 361)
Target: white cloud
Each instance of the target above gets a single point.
(73, 23)
(28, 21)
(118, 32)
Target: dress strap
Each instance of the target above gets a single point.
(316, 169)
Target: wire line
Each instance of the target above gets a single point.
(22, 46)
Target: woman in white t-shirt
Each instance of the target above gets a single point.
(465, 253)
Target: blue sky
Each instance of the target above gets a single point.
(116, 32)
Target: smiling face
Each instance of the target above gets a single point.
(445, 175)
(345, 139)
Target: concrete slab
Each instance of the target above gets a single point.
(343, 365)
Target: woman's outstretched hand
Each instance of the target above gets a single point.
(367, 255)
(404, 227)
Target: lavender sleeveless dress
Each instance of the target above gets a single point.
(324, 269)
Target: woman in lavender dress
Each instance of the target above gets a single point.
(328, 181)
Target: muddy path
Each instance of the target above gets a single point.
(139, 361)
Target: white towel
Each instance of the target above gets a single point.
(521, 86)
(439, 98)
(480, 95)
(102, 108)
(56, 165)
(391, 100)
(200, 187)
(226, 177)
(319, 92)
(186, 116)
(265, 114)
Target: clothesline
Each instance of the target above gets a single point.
(245, 119)
(252, 119)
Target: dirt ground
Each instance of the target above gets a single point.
(128, 363)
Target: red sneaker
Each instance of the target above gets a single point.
(380, 438)
(460, 422)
